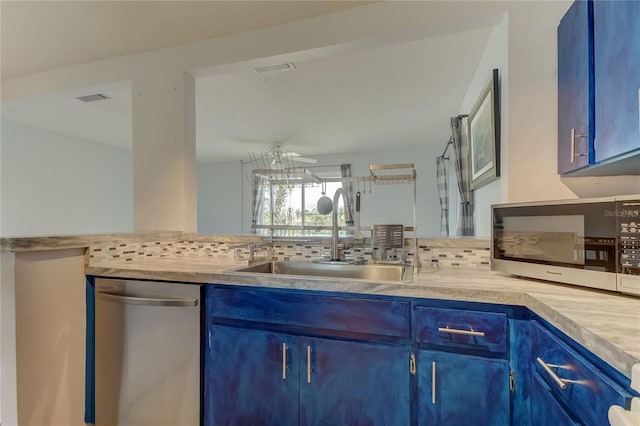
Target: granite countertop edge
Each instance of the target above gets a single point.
(441, 285)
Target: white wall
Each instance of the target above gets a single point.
(55, 184)
(533, 117)
(164, 150)
(219, 198)
(524, 48)
(495, 55)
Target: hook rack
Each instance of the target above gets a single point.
(379, 174)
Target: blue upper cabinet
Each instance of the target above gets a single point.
(599, 88)
(575, 84)
(617, 78)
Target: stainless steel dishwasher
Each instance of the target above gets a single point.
(147, 353)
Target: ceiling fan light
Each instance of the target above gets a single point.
(277, 164)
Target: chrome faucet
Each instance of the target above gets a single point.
(347, 218)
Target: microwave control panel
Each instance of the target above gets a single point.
(628, 213)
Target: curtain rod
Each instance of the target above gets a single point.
(446, 147)
(450, 141)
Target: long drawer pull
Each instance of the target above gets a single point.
(308, 364)
(560, 382)
(433, 382)
(458, 331)
(284, 361)
(146, 301)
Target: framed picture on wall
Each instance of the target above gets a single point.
(484, 135)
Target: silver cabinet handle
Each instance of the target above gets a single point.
(308, 364)
(575, 135)
(412, 365)
(433, 382)
(284, 361)
(560, 382)
(146, 301)
(457, 331)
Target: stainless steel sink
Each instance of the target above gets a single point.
(378, 272)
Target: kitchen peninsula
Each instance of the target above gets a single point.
(604, 324)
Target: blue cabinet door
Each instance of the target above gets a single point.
(545, 409)
(250, 378)
(457, 389)
(575, 83)
(617, 78)
(587, 391)
(353, 383)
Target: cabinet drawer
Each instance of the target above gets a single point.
(456, 328)
(344, 316)
(583, 388)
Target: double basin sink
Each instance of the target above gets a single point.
(375, 272)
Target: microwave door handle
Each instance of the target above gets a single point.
(146, 301)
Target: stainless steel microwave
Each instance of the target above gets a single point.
(587, 242)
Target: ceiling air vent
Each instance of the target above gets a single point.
(276, 68)
(93, 98)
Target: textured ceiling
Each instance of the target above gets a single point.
(374, 99)
(37, 36)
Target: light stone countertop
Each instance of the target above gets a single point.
(58, 242)
(608, 324)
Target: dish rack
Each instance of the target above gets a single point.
(387, 236)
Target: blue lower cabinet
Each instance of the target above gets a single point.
(257, 377)
(250, 378)
(295, 358)
(456, 389)
(545, 409)
(353, 383)
(576, 383)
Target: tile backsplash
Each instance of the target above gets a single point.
(132, 251)
(440, 257)
(432, 253)
(301, 252)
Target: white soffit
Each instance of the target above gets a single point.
(39, 36)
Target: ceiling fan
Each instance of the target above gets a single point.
(277, 158)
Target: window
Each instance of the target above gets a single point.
(289, 207)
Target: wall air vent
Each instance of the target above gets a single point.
(275, 68)
(93, 98)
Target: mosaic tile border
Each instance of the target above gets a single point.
(431, 253)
